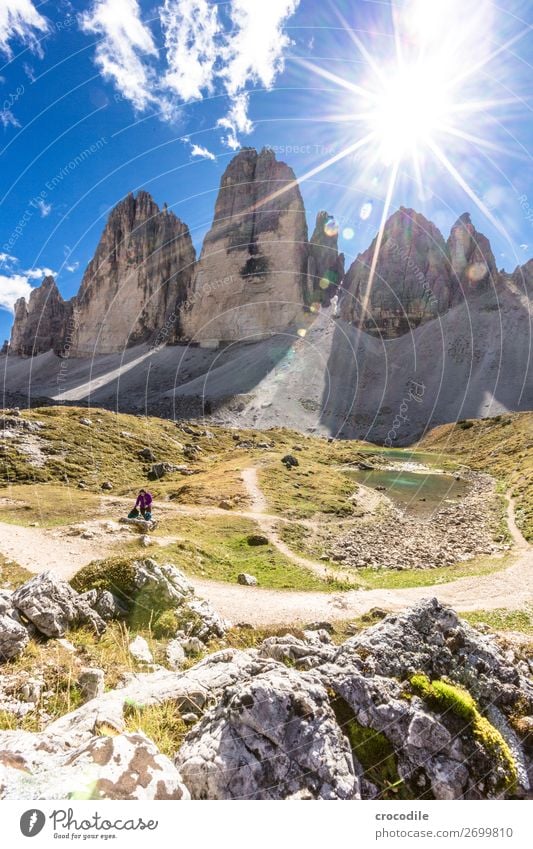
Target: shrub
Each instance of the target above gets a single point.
(116, 574)
(165, 625)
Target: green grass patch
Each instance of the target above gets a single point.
(161, 723)
(216, 548)
(397, 579)
(50, 505)
(310, 488)
(11, 574)
(503, 620)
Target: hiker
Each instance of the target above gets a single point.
(143, 505)
(334, 303)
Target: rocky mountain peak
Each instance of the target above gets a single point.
(411, 284)
(40, 322)
(251, 278)
(473, 266)
(325, 268)
(139, 276)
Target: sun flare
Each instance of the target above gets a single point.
(414, 104)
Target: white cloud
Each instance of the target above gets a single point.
(17, 284)
(236, 121)
(202, 152)
(8, 119)
(524, 247)
(255, 51)
(12, 288)
(205, 52)
(38, 273)
(19, 19)
(30, 73)
(44, 208)
(190, 30)
(125, 41)
(72, 267)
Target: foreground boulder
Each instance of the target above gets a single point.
(14, 637)
(53, 606)
(418, 706)
(144, 591)
(273, 738)
(432, 639)
(126, 766)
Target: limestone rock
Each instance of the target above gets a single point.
(270, 738)
(108, 606)
(412, 281)
(134, 286)
(325, 266)
(20, 692)
(175, 653)
(251, 277)
(40, 324)
(14, 637)
(205, 622)
(139, 649)
(431, 638)
(247, 580)
(473, 266)
(53, 606)
(126, 766)
(167, 585)
(91, 683)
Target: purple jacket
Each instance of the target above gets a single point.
(144, 501)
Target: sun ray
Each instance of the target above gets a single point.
(312, 172)
(331, 77)
(362, 49)
(452, 170)
(470, 71)
(379, 240)
(486, 143)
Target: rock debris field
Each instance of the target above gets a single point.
(456, 532)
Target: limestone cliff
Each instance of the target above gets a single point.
(40, 322)
(412, 282)
(251, 277)
(139, 276)
(325, 266)
(473, 267)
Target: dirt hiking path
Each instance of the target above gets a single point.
(39, 549)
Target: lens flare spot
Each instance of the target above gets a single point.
(314, 307)
(302, 332)
(324, 283)
(366, 210)
(348, 233)
(331, 228)
(476, 272)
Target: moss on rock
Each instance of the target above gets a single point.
(443, 697)
(372, 749)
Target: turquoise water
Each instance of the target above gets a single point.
(419, 494)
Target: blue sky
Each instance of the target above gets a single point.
(104, 97)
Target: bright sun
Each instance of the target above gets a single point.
(412, 106)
